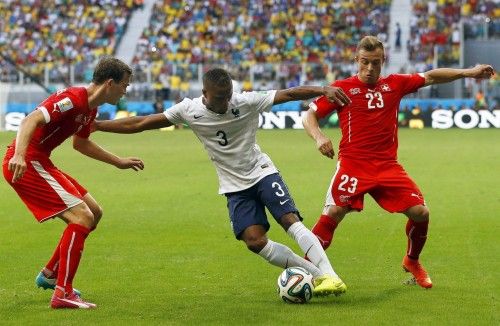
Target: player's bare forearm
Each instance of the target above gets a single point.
(333, 94)
(311, 125)
(92, 150)
(445, 75)
(132, 125)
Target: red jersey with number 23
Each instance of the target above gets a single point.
(370, 123)
(66, 113)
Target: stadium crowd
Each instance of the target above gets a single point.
(274, 38)
(264, 44)
(57, 34)
(437, 23)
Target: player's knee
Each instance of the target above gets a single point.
(85, 217)
(97, 214)
(256, 244)
(337, 213)
(424, 213)
(419, 213)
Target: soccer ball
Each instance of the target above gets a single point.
(295, 285)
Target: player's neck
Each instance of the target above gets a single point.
(368, 82)
(95, 95)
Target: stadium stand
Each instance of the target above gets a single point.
(279, 41)
(436, 26)
(59, 36)
(265, 44)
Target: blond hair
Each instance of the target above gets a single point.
(369, 43)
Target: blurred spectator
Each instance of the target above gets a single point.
(398, 37)
(158, 106)
(480, 102)
(436, 24)
(245, 33)
(55, 34)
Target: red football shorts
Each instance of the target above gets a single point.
(44, 189)
(386, 181)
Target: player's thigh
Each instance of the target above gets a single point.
(45, 190)
(274, 194)
(351, 180)
(94, 207)
(396, 191)
(245, 210)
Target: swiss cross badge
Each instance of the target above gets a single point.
(385, 88)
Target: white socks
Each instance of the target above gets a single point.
(311, 247)
(282, 256)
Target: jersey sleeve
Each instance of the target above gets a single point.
(409, 83)
(322, 106)
(262, 101)
(57, 106)
(85, 131)
(175, 114)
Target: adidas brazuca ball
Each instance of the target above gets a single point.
(295, 285)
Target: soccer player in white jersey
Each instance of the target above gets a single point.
(226, 123)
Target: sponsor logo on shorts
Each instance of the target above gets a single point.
(344, 198)
(282, 202)
(416, 195)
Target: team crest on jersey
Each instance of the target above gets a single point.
(64, 105)
(83, 119)
(385, 88)
(236, 112)
(355, 91)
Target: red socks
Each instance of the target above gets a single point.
(70, 252)
(324, 229)
(417, 234)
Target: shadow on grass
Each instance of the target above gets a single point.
(351, 298)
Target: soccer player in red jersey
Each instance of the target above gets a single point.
(367, 160)
(47, 191)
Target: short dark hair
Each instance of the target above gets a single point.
(110, 68)
(217, 77)
(370, 43)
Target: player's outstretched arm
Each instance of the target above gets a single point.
(17, 164)
(333, 94)
(311, 125)
(445, 75)
(91, 149)
(132, 125)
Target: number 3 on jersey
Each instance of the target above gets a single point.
(223, 138)
(351, 187)
(375, 97)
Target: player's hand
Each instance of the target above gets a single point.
(336, 95)
(18, 166)
(325, 147)
(133, 163)
(482, 72)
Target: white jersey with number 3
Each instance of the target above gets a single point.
(230, 138)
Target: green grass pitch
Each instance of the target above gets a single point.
(164, 252)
